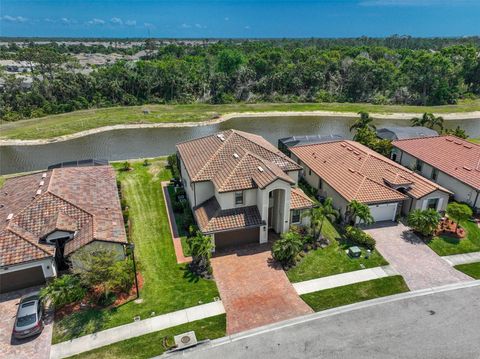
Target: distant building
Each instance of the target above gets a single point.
(284, 144)
(404, 133)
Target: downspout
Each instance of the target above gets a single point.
(476, 199)
(194, 195)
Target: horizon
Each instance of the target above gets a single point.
(246, 19)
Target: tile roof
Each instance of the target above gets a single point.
(211, 218)
(452, 155)
(235, 160)
(299, 200)
(81, 199)
(359, 173)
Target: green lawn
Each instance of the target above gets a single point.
(358, 292)
(167, 285)
(471, 269)
(474, 140)
(446, 245)
(68, 123)
(332, 259)
(180, 226)
(149, 345)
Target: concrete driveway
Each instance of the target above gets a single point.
(412, 258)
(254, 290)
(35, 347)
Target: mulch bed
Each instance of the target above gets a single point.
(449, 228)
(89, 301)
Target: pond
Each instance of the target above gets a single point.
(152, 142)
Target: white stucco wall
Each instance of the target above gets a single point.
(422, 202)
(47, 264)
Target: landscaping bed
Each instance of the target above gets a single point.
(471, 269)
(149, 345)
(167, 286)
(183, 218)
(445, 245)
(332, 259)
(358, 292)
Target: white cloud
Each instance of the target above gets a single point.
(96, 21)
(185, 26)
(247, 27)
(149, 25)
(67, 21)
(130, 23)
(116, 21)
(226, 19)
(17, 19)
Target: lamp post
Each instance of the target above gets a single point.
(132, 248)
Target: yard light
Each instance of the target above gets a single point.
(132, 248)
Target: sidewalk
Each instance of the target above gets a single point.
(177, 242)
(339, 280)
(135, 329)
(464, 258)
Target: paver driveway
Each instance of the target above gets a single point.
(35, 347)
(413, 259)
(254, 291)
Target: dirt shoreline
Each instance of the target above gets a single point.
(226, 117)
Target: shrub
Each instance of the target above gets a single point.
(287, 248)
(424, 222)
(459, 212)
(172, 163)
(146, 163)
(359, 237)
(201, 249)
(63, 290)
(126, 166)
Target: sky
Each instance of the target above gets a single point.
(238, 19)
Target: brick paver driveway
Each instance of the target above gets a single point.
(254, 292)
(35, 347)
(413, 259)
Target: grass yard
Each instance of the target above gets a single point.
(167, 285)
(68, 123)
(149, 345)
(471, 269)
(474, 140)
(332, 259)
(446, 245)
(358, 292)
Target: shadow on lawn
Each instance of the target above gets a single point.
(76, 324)
(188, 275)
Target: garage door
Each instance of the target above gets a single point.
(233, 239)
(383, 212)
(21, 279)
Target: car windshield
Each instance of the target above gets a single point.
(26, 320)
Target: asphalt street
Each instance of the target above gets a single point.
(439, 325)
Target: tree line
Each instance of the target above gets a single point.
(316, 70)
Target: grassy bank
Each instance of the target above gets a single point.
(149, 345)
(68, 123)
(167, 286)
(358, 292)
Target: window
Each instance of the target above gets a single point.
(320, 183)
(309, 171)
(434, 174)
(432, 203)
(418, 166)
(239, 197)
(295, 216)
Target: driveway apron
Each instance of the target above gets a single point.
(420, 266)
(254, 290)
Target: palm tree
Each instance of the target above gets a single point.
(365, 121)
(287, 247)
(201, 247)
(63, 290)
(428, 120)
(361, 211)
(319, 214)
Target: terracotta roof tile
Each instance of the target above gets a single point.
(452, 155)
(359, 173)
(230, 159)
(299, 200)
(211, 218)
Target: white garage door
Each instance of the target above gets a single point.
(383, 212)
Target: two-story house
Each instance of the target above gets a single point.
(240, 187)
(450, 161)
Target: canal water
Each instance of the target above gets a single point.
(138, 143)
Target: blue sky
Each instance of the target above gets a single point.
(241, 18)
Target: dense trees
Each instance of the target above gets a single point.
(398, 70)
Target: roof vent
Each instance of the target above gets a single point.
(39, 192)
(260, 168)
(356, 152)
(221, 137)
(467, 168)
(457, 142)
(349, 149)
(343, 145)
(44, 175)
(235, 155)
(449, 140)
(467, 146)
(10, 216)
(42, 183)
(351, 170)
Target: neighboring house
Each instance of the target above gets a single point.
(45, 217)
(406, 132)
(450, 161)
(284, 144)
(347, 171)
(240, 186)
